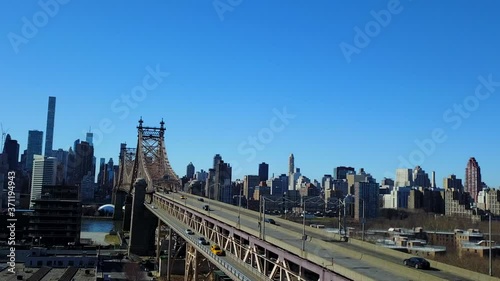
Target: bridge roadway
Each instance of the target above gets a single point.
(368, 264)
(372, 265)
(228, 263)
(327, 250)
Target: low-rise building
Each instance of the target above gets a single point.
(40, 257)
(481, 248)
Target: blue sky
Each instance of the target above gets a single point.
(230, 72)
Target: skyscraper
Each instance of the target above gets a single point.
(404, 177)
(84, 161)
(340, 173)
(190, 171)
(420, 177)
(90, 138)
(35, 143)
(11, 148)
(452, 182)
(263, 171)
(473, 182)
(44, 173)
(291, 168)
(49, 132)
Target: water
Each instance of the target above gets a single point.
(99, 225)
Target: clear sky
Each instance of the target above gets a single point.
(350, 91)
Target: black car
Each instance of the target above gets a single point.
(201, 199)
(271, 221)
(418, 263)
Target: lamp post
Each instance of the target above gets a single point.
(363, 223)
(264, 218)
(303, 203)
(239, 207)
(284, 204)
(259, 221)
(489, 226)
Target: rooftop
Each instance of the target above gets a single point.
(81, 274)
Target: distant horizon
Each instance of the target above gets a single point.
(378, 85)
(357, 169)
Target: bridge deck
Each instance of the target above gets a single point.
(225, 262)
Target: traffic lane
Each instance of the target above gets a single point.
(180, 228)
(327, 255)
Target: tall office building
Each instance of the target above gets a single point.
(90, 138)
(35, 143)
(420, 177)
(340, 173)
(473, 182)
(451, 182)
(190, 171)
(291, 170)
(11, 148)
(84, 159)
(44, 173)
(404, 177)
(433, 183)
(217, 159)
(263, 171)
(49, 132)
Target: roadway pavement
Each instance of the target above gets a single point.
(329, 251)
(228, 262)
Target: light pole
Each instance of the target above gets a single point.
(363, 223)
(260, 217)
(239, 207)
(284, 204)
(264, 218)
(303, 223)
(489, 226)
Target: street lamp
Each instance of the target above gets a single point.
(363, 222)
(489, 226)
(303, 203)
(284, 204)
(239, 207)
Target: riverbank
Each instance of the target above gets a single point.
(97, 218)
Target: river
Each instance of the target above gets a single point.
(99, 225)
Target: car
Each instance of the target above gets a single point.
(417, 262)
(201, 200)
(183, 197)
(271, 221)
(202, 241)
(216, 250)
(206, 208)
(189, 232)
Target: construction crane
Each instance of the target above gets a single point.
(4, 134)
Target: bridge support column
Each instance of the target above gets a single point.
(119, 199)
(127, 216)
(144, 223)
(191, 271)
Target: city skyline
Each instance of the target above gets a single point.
(234, 80)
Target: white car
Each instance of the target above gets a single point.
(189, 232)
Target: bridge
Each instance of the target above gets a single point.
(254, 250)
